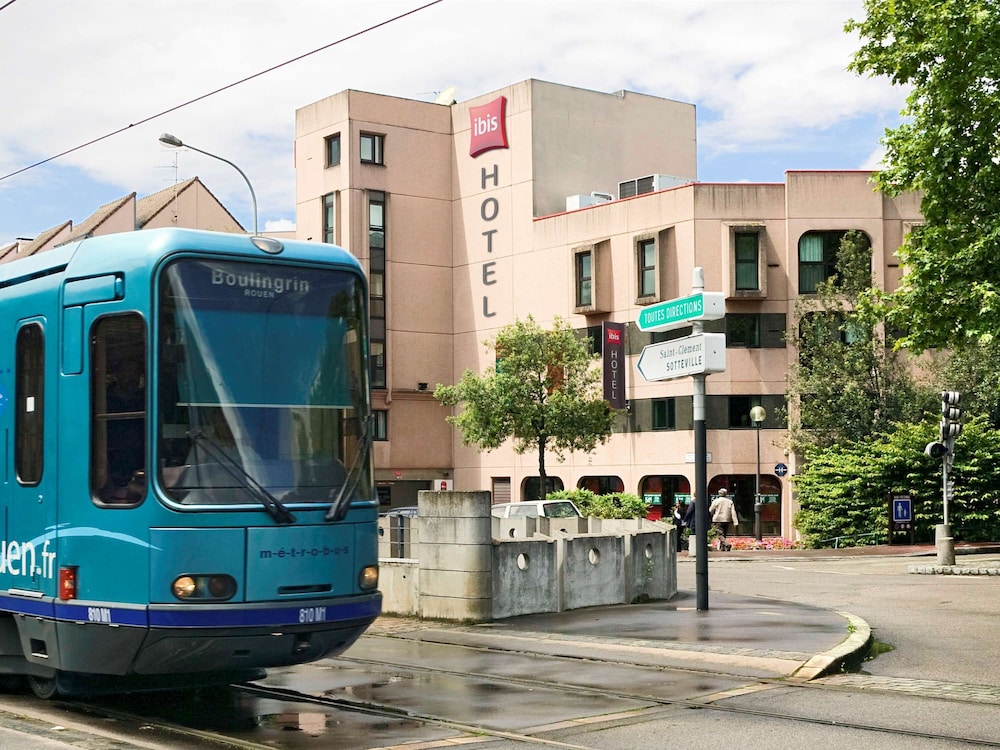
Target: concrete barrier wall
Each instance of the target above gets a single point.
(592, 571)
(477, 568)
(526, 577)
(398, 580)
(456, 555)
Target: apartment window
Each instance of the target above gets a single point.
(531, 487)
(742, 331)
(371, 148)
(818, 258)
(378, 364)
(646, 263)
(330, 218)
(664, 414)
(381, 424)
(376, 220)
(747, 261)
(29, 416)
(585, 278)
(376, 293)
(332, 150)
(739, 410)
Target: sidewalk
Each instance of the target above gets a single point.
(737, 635)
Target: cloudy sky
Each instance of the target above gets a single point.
(768, 78)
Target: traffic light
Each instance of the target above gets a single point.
(951, 415)
(936, 450)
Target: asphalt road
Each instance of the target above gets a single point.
(941, 627)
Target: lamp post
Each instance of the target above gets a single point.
(174, 142)
(757, 415)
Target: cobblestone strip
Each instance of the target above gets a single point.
(952, 570)
(925, 688)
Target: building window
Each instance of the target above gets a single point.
(818, 258)
(664, 414)
(376, 283)
(330, 218)
(602, 485)
(646, 263)
(531, 486)
(371, 148)
(743, 331)
(381, 426)
(378, 364)
(747, 261)
(29, 419)
(376, 220)
(739, 410)
(333, 150)
(585, 279)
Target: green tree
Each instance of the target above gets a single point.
(843, 490)
(946, 52)
(847, 385)
(543, 392)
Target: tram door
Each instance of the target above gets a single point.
(30, 552)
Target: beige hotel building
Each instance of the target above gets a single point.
(546, 200)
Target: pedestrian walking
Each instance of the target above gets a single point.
(724, 517)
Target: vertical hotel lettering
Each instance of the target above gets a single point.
(488, 131)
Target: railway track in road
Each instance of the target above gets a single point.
(357, 719)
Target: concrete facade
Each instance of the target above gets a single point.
(475, 239)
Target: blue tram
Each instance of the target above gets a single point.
(187, 490)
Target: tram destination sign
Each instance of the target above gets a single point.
(691, 355)
(681, 311)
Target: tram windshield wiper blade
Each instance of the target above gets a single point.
(343, 500)
(271, 504)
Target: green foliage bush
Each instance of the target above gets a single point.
(843, 490)
(615, 505)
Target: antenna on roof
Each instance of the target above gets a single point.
(446, 97)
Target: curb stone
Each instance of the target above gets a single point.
(850, 649)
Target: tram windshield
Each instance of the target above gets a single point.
(262, 393)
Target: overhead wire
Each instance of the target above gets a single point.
(219, 90)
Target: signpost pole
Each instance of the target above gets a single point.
(700, 468)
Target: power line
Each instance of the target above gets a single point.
(7, 4)
(273, 68)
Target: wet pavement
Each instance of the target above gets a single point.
(603, 661)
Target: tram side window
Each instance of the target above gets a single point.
(118, 409)
(28, 428)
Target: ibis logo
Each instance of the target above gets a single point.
(488, 127)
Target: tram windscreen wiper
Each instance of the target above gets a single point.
(343, 500)
(271, 504)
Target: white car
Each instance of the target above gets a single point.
(536, 508)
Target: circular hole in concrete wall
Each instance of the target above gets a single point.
(523, 561)
(594, 556)
(649, 551)
(381, 531)
(512, 534)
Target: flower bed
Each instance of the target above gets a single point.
(768, 542)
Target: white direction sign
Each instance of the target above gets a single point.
(691, 355)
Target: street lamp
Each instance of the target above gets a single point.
(174, 142)
(757, 415)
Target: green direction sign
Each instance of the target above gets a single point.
(680, 311)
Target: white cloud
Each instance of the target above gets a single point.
(763, 74)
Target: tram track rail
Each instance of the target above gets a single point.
(707, 703)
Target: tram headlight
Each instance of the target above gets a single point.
(212, 587)
(369, 577)
(185, 587)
